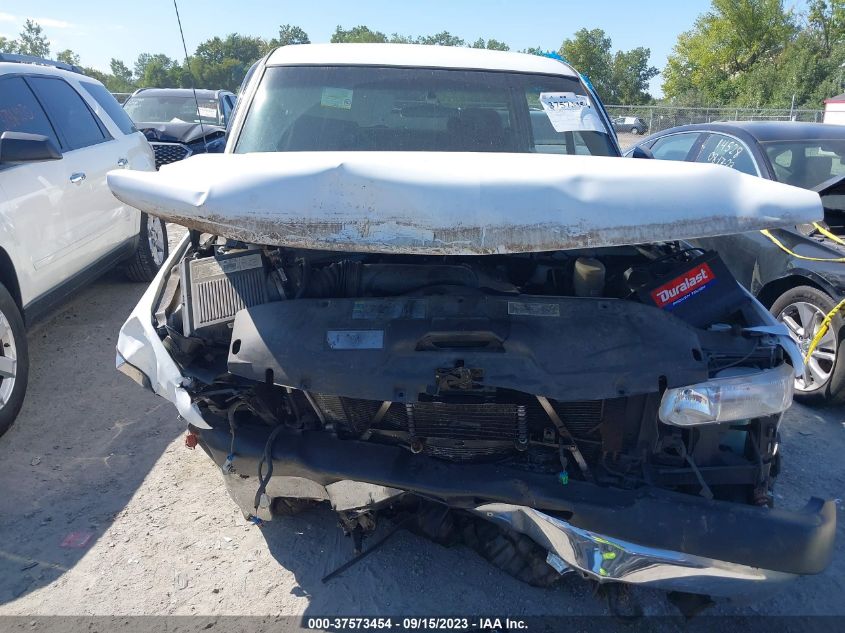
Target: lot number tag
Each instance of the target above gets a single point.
(569, 112)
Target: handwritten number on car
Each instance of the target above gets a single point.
(726, 152)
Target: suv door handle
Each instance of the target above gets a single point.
(77, 178)
(122, 162)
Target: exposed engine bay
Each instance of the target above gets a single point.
(549, 362)
(538, 408)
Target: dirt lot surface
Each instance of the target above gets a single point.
(104, 511)
(626, 140)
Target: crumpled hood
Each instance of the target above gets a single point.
(458, 203)
(178, 132)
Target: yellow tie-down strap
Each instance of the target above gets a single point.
(826, 321)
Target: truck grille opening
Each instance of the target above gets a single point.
(460, 431)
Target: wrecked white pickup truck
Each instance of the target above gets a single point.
(420, 284)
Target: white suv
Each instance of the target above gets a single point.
(60, 134)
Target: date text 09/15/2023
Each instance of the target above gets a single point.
(416, 623)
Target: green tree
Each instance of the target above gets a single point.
(211, 51)
(444, 38)
(68, 57)
(357, 34)
(630, 74)
(827, 19)
(157, 71)
(7, 45)
(491, 44)
(396, 38)
(223, 62)
(589, 52)
(289, 34)
(32, 40)
(99, 76)
(243, 48)
(620, 77)
(535, 50)
(709, 62)
(121, 79)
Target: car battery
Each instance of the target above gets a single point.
(701, 291)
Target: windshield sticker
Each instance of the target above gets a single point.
(208, 113)
(726, 152)
(336, 98)
(569, 112)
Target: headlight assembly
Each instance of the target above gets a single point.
(761, 393)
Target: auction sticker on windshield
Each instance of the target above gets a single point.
(336, 98)
(569, 112)
(208, 113)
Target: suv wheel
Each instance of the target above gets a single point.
(14, 360)
(635, 130)
(152, 249)
(802, 310)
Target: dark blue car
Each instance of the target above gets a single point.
(798, 273)
(177, 124)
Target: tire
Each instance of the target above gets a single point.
(12, 345)
(512, 552)
(635, 130)
(824, 382)
(152, 250)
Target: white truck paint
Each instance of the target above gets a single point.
(458, 203)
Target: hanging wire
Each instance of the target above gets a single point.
(191, 75)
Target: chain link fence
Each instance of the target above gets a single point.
(658, 117)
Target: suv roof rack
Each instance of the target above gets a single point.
(32, 59)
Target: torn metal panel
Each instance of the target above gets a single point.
(139, 349)
(458, 203)
(608, 559)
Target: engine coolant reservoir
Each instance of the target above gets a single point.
(588, 277)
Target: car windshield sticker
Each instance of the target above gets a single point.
(336, 98)
(208, 113)
(726, 152)
(569, 112)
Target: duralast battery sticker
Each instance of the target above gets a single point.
(681, 288)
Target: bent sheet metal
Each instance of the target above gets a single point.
(458, 203)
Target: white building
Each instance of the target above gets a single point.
(834, 110)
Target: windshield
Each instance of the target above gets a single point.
(807, 163)
(356, 108)
(171, 109)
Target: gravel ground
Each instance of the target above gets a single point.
(104, 512)
(626, 140)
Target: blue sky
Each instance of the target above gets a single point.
(99, 30)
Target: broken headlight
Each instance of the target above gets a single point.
(740, 397)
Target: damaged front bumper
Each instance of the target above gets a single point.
(652, 537)
(656, 538)
(142, 356)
